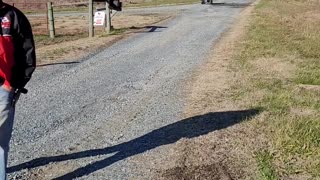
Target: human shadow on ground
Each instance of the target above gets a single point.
(62, 63)
(151, 28)
(187, 128)
(154, 28)
(232, 5)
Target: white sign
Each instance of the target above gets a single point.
(99, 18)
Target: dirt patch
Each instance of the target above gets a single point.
(310, 87)
(275, 67)
(302, 112)
(227, 152)
(204, 172)
(312, 15)
(49, 171)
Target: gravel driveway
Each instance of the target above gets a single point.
(90, 119)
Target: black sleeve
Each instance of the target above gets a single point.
(25, 56)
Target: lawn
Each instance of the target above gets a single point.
(280, 58)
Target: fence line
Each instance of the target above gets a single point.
(39, 21)
(71, 4)
(68, 24)
(26, 6)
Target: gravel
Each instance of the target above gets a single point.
(126, 91)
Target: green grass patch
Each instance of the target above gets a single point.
(309, 72)
(281, 97)
(300, 136)
(266, 168)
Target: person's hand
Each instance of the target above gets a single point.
(8, 88)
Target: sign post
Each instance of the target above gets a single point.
(110, 4)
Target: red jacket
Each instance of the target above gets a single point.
(17, 50)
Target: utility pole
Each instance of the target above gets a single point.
(108, 18)
(91, 29)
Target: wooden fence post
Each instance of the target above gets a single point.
(91, 28)
(108, 18)
(51, 20)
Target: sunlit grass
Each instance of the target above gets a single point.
(288, 31)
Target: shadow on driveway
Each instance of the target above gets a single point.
(149, 29)
(186, 128)
(62, 63)
(232, 5)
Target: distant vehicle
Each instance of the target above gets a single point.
(206, 1)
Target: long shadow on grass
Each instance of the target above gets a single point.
(186, 128)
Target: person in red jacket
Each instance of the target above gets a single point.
(17, 63)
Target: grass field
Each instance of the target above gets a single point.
(280, 60)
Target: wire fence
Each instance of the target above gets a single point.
(65, 23)
(69, 18)
(37, 15)
(27, 6)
